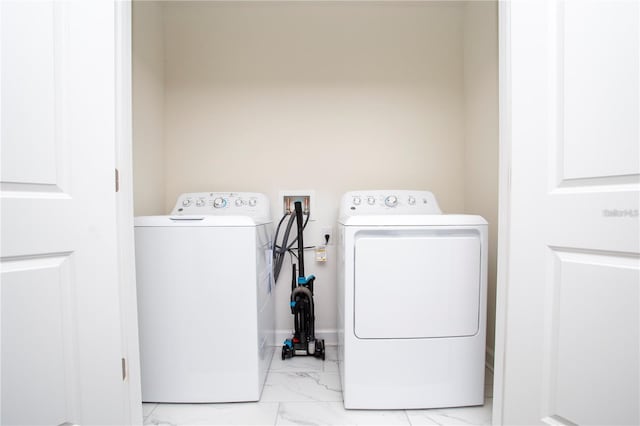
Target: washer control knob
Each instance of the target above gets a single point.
(219, 203)
(186, 202)
(356, 201)
(391, 201)
(239, 202)
(411, 200)
(371, 200)
(253, 202)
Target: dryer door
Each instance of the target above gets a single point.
(417, 283)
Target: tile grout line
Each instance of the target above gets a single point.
(144, 419)
(408, 418)
(275, 421)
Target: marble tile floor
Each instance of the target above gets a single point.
(306, 391)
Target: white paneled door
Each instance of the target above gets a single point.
(61, 338)
(569, 304)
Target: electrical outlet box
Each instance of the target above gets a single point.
(321, 254)
(290, 197)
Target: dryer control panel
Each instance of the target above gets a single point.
(250, 204)
(382, 202)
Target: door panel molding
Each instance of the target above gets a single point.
(35, 325)
(28, 75)
(32, 190)
(596, 184)
(569, 145)
(583, 347)
(590, 107)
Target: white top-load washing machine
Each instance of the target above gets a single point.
(205, 303)
(412, 287)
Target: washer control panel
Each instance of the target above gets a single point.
(251, 204)
(389, 202)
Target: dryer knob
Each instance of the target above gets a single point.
(187, 202)
(391, 201)
(200, 202)
(371, 200)
(253, 202)
(239, 202)
(356, 201)
(219, 203)
(411, 201)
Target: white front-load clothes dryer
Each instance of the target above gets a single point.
(205, 303)
(412, 286)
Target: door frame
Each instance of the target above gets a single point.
(126, 252)
(504, 204)
(124, 212)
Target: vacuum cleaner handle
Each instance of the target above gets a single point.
(294, 278)
(298, 208)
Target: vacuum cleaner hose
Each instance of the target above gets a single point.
(279, 252)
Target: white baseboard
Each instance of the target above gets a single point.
(330, 336)
(489, 359)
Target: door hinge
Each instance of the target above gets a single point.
(117, 180)
(124, 369)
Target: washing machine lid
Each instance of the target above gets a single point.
(413, 220)
(196, 221)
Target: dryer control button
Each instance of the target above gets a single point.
(219, 203)
(411, 200)
(391, 201)
(239, 202)
(356, 201)
(200, 202)
(186, 202)
(371, 200)
(253, 202)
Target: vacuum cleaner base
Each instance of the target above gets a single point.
(292, 348)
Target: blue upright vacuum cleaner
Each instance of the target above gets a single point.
(303, 342)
